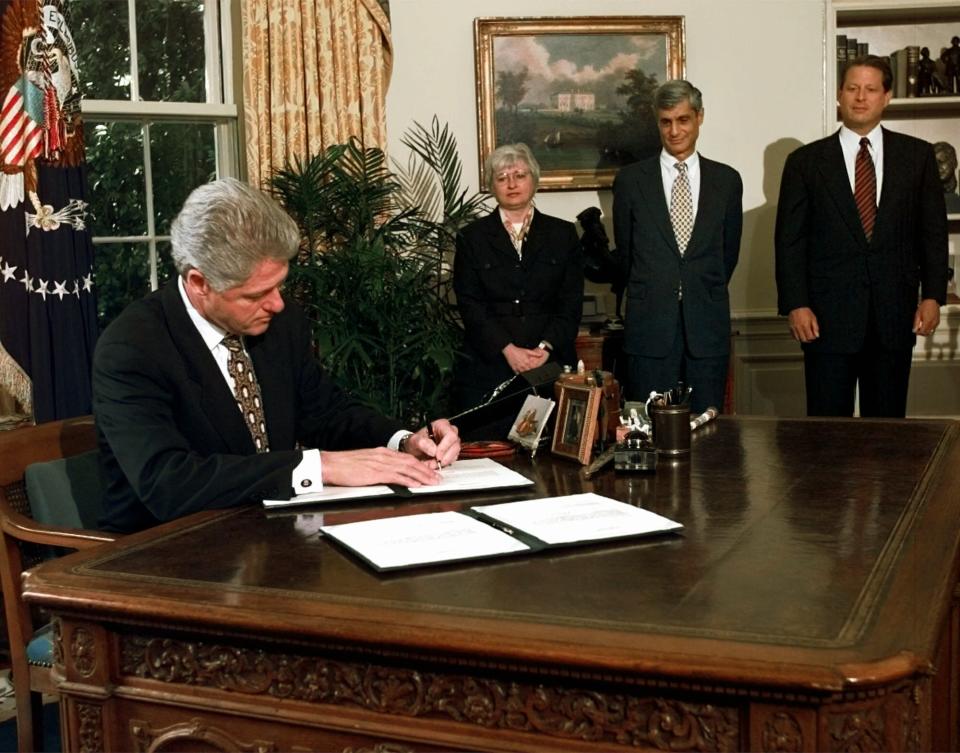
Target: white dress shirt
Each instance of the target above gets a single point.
(850, 144)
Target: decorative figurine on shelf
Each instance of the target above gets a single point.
(928, 82)
(950, 57)
(947, 165)
(599, 264)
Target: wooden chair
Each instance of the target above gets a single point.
(24, 540)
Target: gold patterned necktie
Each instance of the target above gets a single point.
(681, 208)
(247, 391)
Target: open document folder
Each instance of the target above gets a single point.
(495, 530)
(461, 476)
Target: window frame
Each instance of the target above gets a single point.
(220, 110)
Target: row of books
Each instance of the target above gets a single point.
(904, 66)
(849, 48)
(914, 74)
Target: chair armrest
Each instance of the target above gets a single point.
(22, 528)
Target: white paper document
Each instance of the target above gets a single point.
(578, 517)
(461, 476)
(423, 539)
(331, 493)
(474, 475)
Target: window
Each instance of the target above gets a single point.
(159, 120)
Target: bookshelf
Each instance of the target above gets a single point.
(890, 25)
(887, 27)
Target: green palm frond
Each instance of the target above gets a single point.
(436, 146)
(419, 187)
(375, 277)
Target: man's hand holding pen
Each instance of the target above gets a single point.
(438, 441)
(418, 462)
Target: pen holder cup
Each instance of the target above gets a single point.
(671, 428)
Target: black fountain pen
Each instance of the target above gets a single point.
(433, 438)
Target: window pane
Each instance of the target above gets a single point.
(183, 156)
(117, 192)
(122, 275)
(101, 31)
(170, 50)
(165, 269)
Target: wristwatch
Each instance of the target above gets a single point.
(544, 345)
(402, 444)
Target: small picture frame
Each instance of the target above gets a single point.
(530, 422)
(576, 425)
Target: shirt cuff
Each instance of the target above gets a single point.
(394, 443)
(308, 475)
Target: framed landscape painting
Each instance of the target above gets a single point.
(577, 91)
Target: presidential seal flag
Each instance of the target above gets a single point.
(48, 314)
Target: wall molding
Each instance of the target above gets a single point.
(768, 367)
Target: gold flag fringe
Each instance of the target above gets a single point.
(15, 381)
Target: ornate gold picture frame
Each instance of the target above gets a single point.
(577, 91)
(576, 426)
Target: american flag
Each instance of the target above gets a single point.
(21, 123)
(48, 310)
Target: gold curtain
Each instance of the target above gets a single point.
(315, 73)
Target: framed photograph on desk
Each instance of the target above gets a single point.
(576, 422)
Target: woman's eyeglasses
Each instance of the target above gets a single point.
(517, 176)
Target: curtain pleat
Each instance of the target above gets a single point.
(315, 74)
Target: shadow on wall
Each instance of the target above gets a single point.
(758, 227)
(602, 290)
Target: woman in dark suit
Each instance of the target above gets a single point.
(518, 276)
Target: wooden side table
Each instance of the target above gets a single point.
(599, 348)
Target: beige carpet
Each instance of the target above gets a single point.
(8, 707)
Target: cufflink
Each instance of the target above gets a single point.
(306, 482)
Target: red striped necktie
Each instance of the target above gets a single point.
(865, 188)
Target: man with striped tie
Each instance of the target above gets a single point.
(861, 227)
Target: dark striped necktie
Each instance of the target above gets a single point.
(865, 188)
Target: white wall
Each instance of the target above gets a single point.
(759, 63)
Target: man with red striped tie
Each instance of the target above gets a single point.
(861, 230)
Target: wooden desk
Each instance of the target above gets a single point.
(809, 606)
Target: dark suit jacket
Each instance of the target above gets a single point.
(647, 249)
(503, 299)
(825, 262)
(171, 436)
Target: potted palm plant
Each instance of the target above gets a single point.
(374, 271)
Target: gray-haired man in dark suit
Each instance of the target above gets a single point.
(207, 393)
(677, 221)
